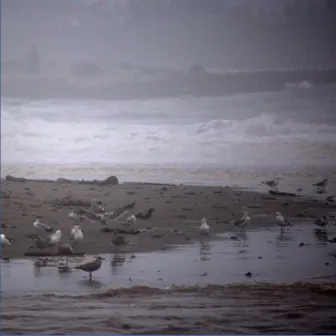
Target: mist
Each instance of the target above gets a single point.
(174, 34)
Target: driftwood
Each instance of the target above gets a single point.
(282, 193)
(120, 230)
(111, 180)
(49, 254)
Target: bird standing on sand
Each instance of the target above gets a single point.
(76, 215)
(145, 215)
(322, 222)
(76, 235)
(322, 183)
(91, 266)
(38, 225)
(53, 239)
(204, 228)
(242, 221)
(282, 221)
(6, 241)
(97, 206)
(272, 183)
(131, 219)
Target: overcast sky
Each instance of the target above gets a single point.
(172, 33)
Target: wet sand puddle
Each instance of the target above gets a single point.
(203, 288)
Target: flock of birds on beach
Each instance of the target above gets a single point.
(99, 214)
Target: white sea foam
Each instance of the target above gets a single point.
(257, 130)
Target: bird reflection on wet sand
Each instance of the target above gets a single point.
(89, 282)
(205, 248)
(321, 236)
(117, 261)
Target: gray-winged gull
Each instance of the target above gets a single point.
(76, 235)
(282, 221)
(242, 221)
(131, 219)
(91, 266)
(204, 228)
(6, 241)
(38, 225)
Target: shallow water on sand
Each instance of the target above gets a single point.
(138, 294)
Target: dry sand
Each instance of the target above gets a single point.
(178, 210)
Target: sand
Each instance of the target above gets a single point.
(178, 210)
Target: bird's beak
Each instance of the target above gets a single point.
(103, 258)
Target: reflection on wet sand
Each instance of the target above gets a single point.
(139, 290)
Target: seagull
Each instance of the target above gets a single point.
(145, 215)
(38, 225)
(322, 222)
(76, 235)
(204, 228)
(242, 221)
(97, 206)
(119, 212)
(54, 238)
(272, 183)
(6, 241)
(131, 219)
(91, 266)
(282, 221)
(75, 215)
(322, 183)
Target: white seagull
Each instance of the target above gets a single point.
(131, 219)
(75, 216)
(54, 239)
(242, 221)
(204, 228)
(38, 225)
(76, 235)
(6, 241)
(282, 221)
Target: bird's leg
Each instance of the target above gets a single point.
(90, 276)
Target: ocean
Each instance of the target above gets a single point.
(222, 140)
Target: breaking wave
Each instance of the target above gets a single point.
(251, 130)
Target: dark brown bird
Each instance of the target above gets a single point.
(91, 266)
(145, 215)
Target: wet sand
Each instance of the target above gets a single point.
(199, 288)
(178, 210)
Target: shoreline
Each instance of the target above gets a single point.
(178, 211)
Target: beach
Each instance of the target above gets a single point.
(187, 159)
(176, 219)
(169, 278)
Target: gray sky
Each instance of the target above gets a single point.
(169, 33)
